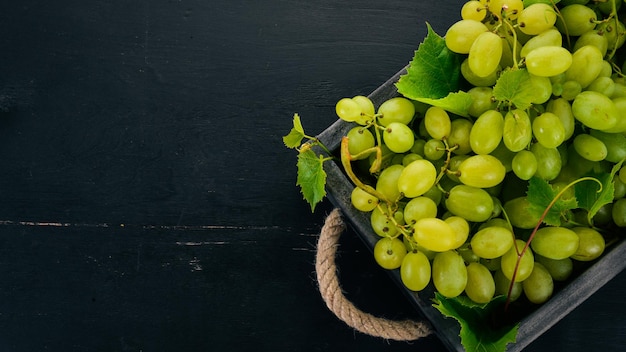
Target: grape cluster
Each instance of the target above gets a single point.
(445, 193)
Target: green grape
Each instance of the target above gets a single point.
(435, 194)
(502, 286)
(590, 147)
(614, 31)
(459, 136)
(437, 122)
(495, 222)
(550, 37)
(486, 133)
(480, 286)
(485, 53)
(476, 80)
(481, 171)
(434, 149)
(576, 19)
(590, 246)
(382, 224)
(620, 105)
(619, 212)
(348, 109)
(367, 110)
(387, 183)
(508, 9)
(468, 255)
(615, 145)
(603, 85)
(492, 242)
(524, 164)
(517, 211)
(419, 208)
(542, 89)
(555, 242)
(362, 200)
(505, 156)
(416, 178)
(536, 18)
(592, 38)
(359, 140)
(538, 287)
(453, 166)
(418, 147)
(481, 100)
(509, 261)
(461, 229)
(471, 203)
(434, 234)
(570, 90)
(397, 109)
(586, 65)
(409, 158)
(622, 174)
(517, 130)
(398, 137)
(389, 252)
(607, 69)
(549, 161)
(559, 269)
(606, 7)
(449, 274)
(548, 130)
(461, 35)
(415, 271)
(563, 109)
(548, 61)
(473, 10)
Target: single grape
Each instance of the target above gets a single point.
(603, 85)
(481, 100)
(524, 164)
(398, 137)
(434, 149)
(415, 271)
(437, 122)
(419, 208)
(492, 242)
(485, 54)
(397, 109)
(563, 109)
(559, 269)
(481, 171)
(362, 200)
(538, 287)
(503, 284)
(461, 229)
(576, 19)
(387, 182)
(614, 31)
(416, 178)
(594, 38)
(570, 90)
(619, 212)
(476, 80)
(517, 130)
(449, 274)
(480, 286)
(622, 174)
(548, 130)
(549, 161)
(555, 242)
(434, 234)
(542, 89)
(382, 224)
(461, 35)
(471, 203)
(590, 147)
(348, 109)
(473, 10)
(459, 136)
(586, 65)
(517, 211)
(359, 140)
(536, 18)
(591, 244)
(486, 133)
(615, 145)
(548, 61)
(550, 37)
(389, 252)
(509, 260)
(595, 110)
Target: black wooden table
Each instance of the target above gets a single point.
(146, 200)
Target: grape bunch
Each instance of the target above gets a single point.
(447, 193)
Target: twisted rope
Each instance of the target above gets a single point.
(331, 292)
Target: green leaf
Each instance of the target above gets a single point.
(514, 87)
(589, 195)
(541, 194)
(294, 138)
(478, 330)
(433, 75)
(311, 177)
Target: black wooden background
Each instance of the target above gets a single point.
(146, 200)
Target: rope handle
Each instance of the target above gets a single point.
(326, 269)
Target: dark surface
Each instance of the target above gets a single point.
(148, 203)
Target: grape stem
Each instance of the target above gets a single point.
(346, 160)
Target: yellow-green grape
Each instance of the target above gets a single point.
(461, 35)
(517, 130)
(615, 145)
(492, 242)
(348, 109)
(461, 229)
(555, 242)
(362, 200)
(517, 211)
(576, 19)
(595, 110)
(496, 222)
(389, 252)
(360, 140)
(590, 147)
(548, 130)
(387, 183)
(486, 133)
(485, 53)
(509, 260)
(620, 105)
(570, 90)
(480, 286)
(549, 161)
(471, 203)
(602, 85)
(550, 37)
(416, 178)
(434, 149)
(586, 65)
(449, 274)
(367, 110)
(593, 38)
(398, 137)
(536, 18)
(524, 164)
(548, 61)
(382, 222)
(476, 80)
(509, 9)
(614, 31)
(419, 208)
(606, 7)
(559, 269)
(591, 244)
(473, 10)
(434, 234)
(481, 100)
(437, 122)
(622, 174)
(619, 212)
(539, 286)
(410, 157)
(503, 284)
(459, 136)
(542, 89)
(415, 271)
(563, 109)
(481, 171)
(453, 166)
(397, 109)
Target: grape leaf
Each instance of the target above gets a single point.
(294, 138)
(540, 194)
(478, 332)
(311, 177)
(589, 195)
(433, 74)
(514, 87)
